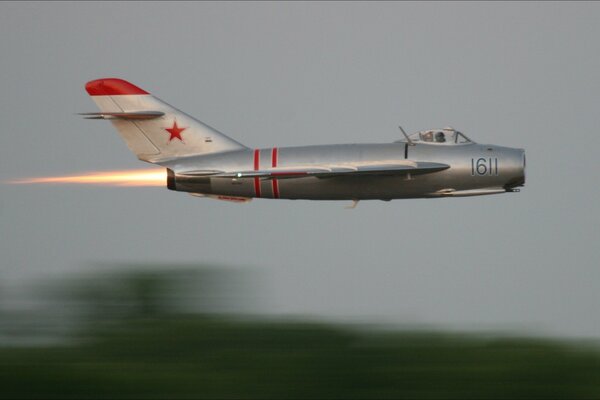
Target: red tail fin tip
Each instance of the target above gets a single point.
(112, 87)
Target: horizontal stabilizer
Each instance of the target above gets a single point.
(130, 115)
(200, 173)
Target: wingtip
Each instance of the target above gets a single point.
(112, 87)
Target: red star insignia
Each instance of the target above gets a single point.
(175, 132)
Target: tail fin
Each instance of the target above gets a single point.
(152, 129)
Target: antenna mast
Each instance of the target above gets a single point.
(410, 142)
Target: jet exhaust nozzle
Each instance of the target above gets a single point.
(171, 179)
(188, 183)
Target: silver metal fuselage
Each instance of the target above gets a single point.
(475, 169)
(205, 162)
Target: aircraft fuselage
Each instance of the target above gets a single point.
(474, 169)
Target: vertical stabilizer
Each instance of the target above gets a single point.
(154, 130)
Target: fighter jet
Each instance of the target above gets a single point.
(204, 162)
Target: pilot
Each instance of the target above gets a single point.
(440, 137)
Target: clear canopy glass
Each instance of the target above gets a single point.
(446, 136)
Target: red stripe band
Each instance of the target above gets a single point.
(256, 168)
(275, 183)
(274, 157)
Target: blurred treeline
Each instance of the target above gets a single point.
(153, 334)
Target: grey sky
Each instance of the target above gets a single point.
(513, 74)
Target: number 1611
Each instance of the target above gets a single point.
(484, 166)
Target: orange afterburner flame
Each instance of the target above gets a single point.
(132, 177)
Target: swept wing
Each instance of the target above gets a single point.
(405, 168)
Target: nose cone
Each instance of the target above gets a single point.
(517, 169)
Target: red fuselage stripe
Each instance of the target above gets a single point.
(275, 183)
(256, 167)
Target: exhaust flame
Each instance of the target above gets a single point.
(134, 177)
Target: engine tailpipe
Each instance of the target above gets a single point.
(170, 179)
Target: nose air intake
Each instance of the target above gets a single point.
(524, 164)
(519, 179)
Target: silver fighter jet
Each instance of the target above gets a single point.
(204, 162)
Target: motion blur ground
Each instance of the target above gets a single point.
(182, 333)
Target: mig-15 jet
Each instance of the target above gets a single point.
(204, 162)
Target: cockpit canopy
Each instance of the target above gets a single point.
(446, 136)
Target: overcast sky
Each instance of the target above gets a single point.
(513, 74)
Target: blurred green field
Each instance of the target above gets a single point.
(151, 350)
